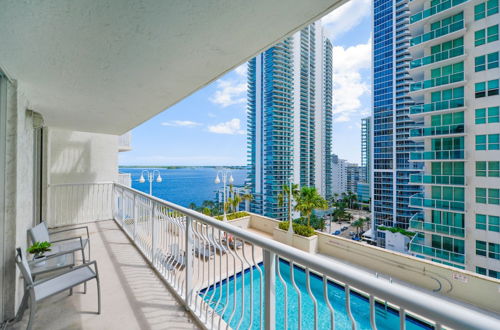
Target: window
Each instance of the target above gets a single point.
(481, 270)
(486, 8)
(481, 248)
(488, 142)
(488, 196)
(488, 115)
(488, 222)
(486, 62)
(488, 272)
(494, 251)
(491, 168)
(485, 36)
(488, 88)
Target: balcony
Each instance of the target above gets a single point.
(125, 179)
(437, 107)
(420, 179)
(437, 82)
(147, 285)
(431, 131)
(439, 8)
(436, 34)
(436, 58)
(437, 155)
(417, 245)
(419, 201)
(125, 142)
(417, 222)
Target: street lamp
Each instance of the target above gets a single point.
(150, 175)
(290, 221)
(224, 173)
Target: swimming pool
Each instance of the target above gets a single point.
(386, 317)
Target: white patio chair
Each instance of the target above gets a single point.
(40, 233)
(47, 287)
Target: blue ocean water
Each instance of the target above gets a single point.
(240, 313)
(183, 185)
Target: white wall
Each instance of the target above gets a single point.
(81, 157)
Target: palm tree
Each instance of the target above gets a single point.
(192, 206)
(288, 193)
(247, 197)
(358, 224)
(308, 200)
(235, 202)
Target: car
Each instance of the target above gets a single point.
(344, 228)
(356, 238)
(337, 232)
(351, 233)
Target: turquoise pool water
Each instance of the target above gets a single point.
(386, 317)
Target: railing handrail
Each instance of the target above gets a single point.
(439, 310)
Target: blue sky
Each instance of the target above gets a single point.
(209, 127)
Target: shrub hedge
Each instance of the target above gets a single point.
(397, 230)
(232, 216)
(302, 230)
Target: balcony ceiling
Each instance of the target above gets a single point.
(107, 66)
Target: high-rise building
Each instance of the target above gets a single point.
(455, 48)
(339, 175)
(290, 118)
(391, 145)
(353, 176)
(365, 149)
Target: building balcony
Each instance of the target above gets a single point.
(426, 61)
(419, 201)
(125, 142)
(125, 179)
(427, 179)
(162, 265)
(420, 110)
(438, 11)
(417, 222)
(437, 82)
(441, 131)
(417, 245)
(437, 36)
(437, 155)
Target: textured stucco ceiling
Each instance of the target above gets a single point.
(107, 66)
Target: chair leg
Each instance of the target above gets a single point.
(84, 284)
(98, 296)
(32, 311)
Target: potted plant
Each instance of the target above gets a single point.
(38, 249)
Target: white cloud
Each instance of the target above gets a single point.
(181, 123)
(229, 127)
(348, 16)
(229, 92)
(349, 84)
(242, 70)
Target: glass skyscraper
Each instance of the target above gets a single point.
(391, 145)
(290, 118)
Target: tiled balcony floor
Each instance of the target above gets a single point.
(133, 296)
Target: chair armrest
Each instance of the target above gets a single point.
(87, 264)
(70, 229)
(49, 256)
(69, 239)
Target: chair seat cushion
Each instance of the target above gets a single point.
(63, 282)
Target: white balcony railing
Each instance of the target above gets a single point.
(228, 276)
(125, 179)
(125, 142)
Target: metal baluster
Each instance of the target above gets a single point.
(348, 306)
(270, 298)
(373, 322)
(328, 304)
(315, 303)
(261, 288)
(402, 318)
(188, 259)
(299, 296)
(285, 293)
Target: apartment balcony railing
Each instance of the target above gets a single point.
(417, 245)
(437, 155)
(437, 130)
(417, 222)
(458, 180)
(226, 276)
(435, 10)
(441, 56)
(437, 106)
(125, 179)
(437, 33)
(419, 201)
(125, 142)
(436, 82)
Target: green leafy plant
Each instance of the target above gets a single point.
(39, 248)
(232, 216)
(302, 230)
(308, 200)
(397, 230)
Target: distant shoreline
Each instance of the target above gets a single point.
(179, 167)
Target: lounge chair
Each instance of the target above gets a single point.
(176, 257)
(203, 250)
(39, 290)
(40, 233)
